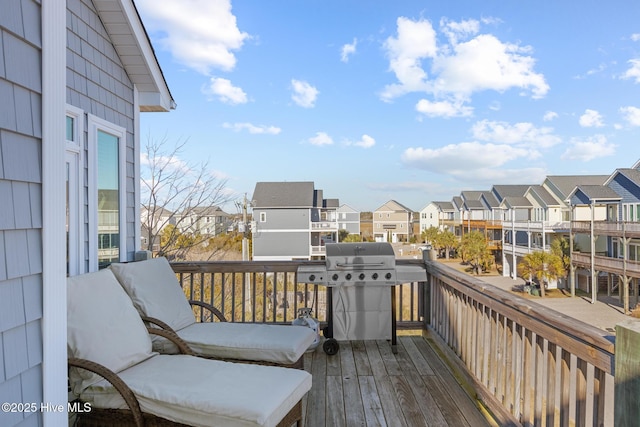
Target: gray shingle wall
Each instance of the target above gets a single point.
(20, 209)
(98, 84)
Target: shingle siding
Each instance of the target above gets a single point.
(98, 84)
(21, 208)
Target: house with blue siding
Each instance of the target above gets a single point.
(609, 236)
(74, 76)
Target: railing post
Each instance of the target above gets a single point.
(627, 374)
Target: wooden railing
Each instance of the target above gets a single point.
(270, 291)
(530, 365)
(608, 228)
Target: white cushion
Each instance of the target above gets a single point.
(103, 326)
(245, 341)
(155, 291)
(202, 392)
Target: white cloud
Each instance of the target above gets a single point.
(348, 49)
(635, 37)
(517, 134)
(485, 63)
(549, 116)
(225, 91)
(443, 109)
(462, 157)
(459, 30)
(253, 129)
(473, 162)
(320, 139)
(200, 34)
(366, 142)
(304, 94)
(592, 148)
(591, 119)
(458, 69)
(416, 40)
(631, 115)
(634, 71)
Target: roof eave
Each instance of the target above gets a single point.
(130, 39)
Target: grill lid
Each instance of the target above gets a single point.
(360, 256)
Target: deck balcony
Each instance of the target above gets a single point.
(466, 350)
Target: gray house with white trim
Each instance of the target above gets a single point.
(292, 220)
(74, 75)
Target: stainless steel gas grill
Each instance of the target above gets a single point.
(360, 280)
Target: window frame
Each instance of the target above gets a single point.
(74, 151)
(94, 125)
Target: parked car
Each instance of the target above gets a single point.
(425, 247)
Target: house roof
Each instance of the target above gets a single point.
(331, 203)
(283, 195)
(512, 202)
(502, 191)
(204, 211)
(566, 183)
(543, 195)
(457, 202)
(632, 174)
(346, 208)
(596, 193)
(473, 204)
(394, 206)
(445, 206)
(131, 41)
(489, 199)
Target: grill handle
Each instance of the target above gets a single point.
(364, 264)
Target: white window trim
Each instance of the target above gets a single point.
(96, 124)
(263, 217)
(75, 148)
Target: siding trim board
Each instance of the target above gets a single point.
(54, 289)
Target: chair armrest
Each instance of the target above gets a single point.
(174, 338)
(157, 322)
(209, 307)
(113, 378)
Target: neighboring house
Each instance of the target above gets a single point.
(393, 222)
(348, 219)
(610, 232)
(207, 221)
(153, 221)
(69, 172)
(437, 214)
(292, 220)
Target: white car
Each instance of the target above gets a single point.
(426, 247)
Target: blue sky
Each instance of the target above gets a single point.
(407, 100)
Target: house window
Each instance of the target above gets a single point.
(263, 217)
(107, 202)
(73, 184)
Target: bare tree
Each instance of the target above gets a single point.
(174, 194)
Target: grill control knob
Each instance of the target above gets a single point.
(312, 277)
(374, 276)
(361, 276)
(335, 276)
(387, 276)
(348, 276)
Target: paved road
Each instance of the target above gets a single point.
(605, 313)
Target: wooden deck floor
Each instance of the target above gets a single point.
(365, 384)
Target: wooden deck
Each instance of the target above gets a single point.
(365, 384)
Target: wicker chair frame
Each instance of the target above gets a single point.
(134, 417)
(298, 364)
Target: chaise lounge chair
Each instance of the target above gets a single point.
(154, 289)
(113, 368)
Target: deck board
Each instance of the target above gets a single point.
(367, 385)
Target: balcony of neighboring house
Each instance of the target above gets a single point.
(624, 229)
(468, 354)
